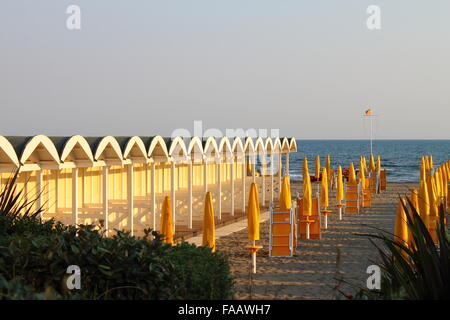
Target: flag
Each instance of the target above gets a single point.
(368, 112)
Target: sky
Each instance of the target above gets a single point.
(306, 68)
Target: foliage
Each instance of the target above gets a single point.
(416, 272)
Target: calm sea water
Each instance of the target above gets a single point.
(401, 158)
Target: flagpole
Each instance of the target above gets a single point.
(371, 133)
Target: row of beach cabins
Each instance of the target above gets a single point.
(120, 182)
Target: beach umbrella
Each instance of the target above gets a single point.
(253, 218)
(340, 191)
(317, 167)
(441, 181)
(372, 163)
(307, 199)
(401, 226)
(166, 221)
(424, 202)
(361, 174)
(324, 189)
(324, 196)
(253, 213)
(434, 208)
(285, 201)
(415, 199)
(427, 165)
(415, 203)
(328, 167)
(423, 169)
(209, 232)
(352, 174)
(431, 162)
(378, 170)
(436, 184)
(444, 180)
(304, 168)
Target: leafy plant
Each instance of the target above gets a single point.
(418, 271)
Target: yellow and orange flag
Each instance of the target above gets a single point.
(368, 112)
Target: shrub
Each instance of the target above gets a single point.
(418, 272)
(201, 274)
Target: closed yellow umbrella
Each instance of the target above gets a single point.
(317, 168)
(401, 226)
(415, 199)
(340, 191)
(305, 167)
(324, 189)
(424, 203)
(285, 201)
(328, 167)
(430, 186)
(166, 221)
(361, 175)
(253, 219)
(434, 207)
(307, 195)
(352, 174)
(340, 186)
(372, 163)
(253, 213)
(324, 197)
(415, 204)
(431, 162)
(307, 200)
(438, 182)
(444, 180)
(423, 169)
(436, 186)
(378, 164)
(209, 230)
(427, 165)
(443, 176)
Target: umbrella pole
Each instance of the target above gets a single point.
(340, 210)
(326, 219)
(254, 258)
(307, 230)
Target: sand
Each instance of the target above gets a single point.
(314, 270)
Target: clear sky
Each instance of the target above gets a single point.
(307, 68)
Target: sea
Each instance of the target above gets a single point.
(400, 158)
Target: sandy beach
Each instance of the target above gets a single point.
(317, 265)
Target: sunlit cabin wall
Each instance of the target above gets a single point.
(182, 177)
(49, 193)
(166, 178)
(142, 213)
(197, 174)
(212, 173)
(117, 189)
(64, 196)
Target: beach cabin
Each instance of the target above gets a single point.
(120, 182)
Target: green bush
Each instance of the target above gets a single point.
(201, 274)
(34, 257)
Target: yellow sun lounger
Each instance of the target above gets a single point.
(352, 198)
